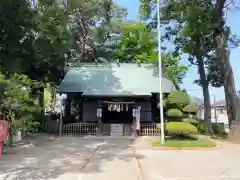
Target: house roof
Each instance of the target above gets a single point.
(221, 103)
(104, 79)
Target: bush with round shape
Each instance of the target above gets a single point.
(180, 129)
(190, 108)
(199, 124)
(174, 113)
(191, 121)
(178, 98)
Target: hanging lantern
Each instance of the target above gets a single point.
(99, 112)
(114, 107)
(118, 108)
(121, 107)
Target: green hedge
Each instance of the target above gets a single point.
(178, 98)
(179, 128)
(191, 121)
(190, 108)
(218, 129)
(174, 113)
(199, 124)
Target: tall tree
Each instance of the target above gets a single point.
(190, 35)
(92, 24)
(221, 37)
(219, 67)
(138, 43)
(173, 69)
(16, 21)
(34, 39)
(135, 39)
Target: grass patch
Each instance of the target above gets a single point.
(186, 142)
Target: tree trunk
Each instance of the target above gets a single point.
(206, 96)
(223, 61)
(41, 104)
(230, 92)
(222, 58)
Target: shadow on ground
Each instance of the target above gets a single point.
(58, 156)
(188, 138)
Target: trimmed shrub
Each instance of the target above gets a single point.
(180, 129)
(199, 124)
(201, 127)
(174, 113)
(219, 130)
(190, 108)
(191, 121)
(178, 98)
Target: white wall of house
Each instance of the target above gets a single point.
(221, 114)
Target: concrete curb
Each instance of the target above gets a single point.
(217, 147)
(109, 137)
(186, 148)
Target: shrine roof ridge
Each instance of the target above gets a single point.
(90, 64)
(105, 79)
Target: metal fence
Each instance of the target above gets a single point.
(84, 129)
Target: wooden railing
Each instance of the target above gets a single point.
(81, 129)
(84, 129)
(149, 130)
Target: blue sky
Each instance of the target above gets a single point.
(232, 21)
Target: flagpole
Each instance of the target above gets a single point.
(160, 74)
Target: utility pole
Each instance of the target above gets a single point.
(215, 109)
(162, 3)
(160, 74)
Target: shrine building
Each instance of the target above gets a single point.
(110, 92)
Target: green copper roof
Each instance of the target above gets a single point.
(104, 79)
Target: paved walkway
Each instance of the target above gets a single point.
(79, 158)
(114, 160)
(72, 158)
(218, 164)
